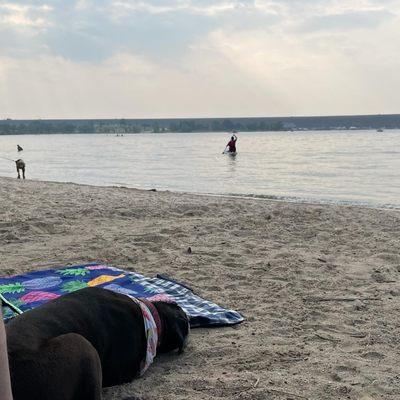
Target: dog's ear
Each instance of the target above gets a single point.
(175, 327)
(182, 332)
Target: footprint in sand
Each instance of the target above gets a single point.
(214, 288)
(231, 264)
(146, 239)
(373, 355)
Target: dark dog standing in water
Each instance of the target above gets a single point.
(71, 347)
(20, 166)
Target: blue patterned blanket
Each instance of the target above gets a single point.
(20, 293)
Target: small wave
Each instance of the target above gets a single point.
(305, 200)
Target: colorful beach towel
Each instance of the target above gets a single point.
(21, 293)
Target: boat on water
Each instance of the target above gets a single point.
(379, 130)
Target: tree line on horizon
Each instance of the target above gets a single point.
(15, 127)
(126, 126)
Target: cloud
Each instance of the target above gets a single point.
(208, 8)
(24, 16)
(349, 20)
(88, 30)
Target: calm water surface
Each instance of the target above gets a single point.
(356, 167)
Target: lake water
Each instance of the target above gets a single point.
(351, 167)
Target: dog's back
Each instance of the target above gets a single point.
(20, 163)
(90, 312)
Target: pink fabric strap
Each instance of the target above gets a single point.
(156, 317)
(150, 329)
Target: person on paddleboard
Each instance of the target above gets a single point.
(232, 144)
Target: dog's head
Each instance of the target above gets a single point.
(175, 327)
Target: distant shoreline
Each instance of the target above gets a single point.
(188, 125)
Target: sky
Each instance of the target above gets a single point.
(204, 58)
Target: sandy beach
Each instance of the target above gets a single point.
(318, 284)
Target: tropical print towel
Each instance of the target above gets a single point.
(24, 292)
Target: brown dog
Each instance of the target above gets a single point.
(71, 347)
(20, 166)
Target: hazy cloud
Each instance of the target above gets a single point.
(138, 58)
(20, 16)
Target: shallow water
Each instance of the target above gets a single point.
(356, 167)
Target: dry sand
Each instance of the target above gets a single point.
(318, 284)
